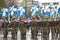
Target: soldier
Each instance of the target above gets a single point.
(58, 28)
(53, 29)
(39, 27)
(45, 33)
(46, 29)
(34, 29)
(14, 29)
(5, 28)
(22, 29)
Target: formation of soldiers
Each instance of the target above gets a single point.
(35, 26)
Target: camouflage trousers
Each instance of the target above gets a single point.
(34, 32)
(5, 32)
(14, 33)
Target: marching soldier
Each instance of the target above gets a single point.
(45, 29)
(58, 28)
(45, 33)
(22, 29)
(39, 27)
(53, 29)
(14, 29)
(34, 29)
(5, 29)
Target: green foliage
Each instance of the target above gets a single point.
(1, 3)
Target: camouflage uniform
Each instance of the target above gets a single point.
(22, 29)
(14, 29)
(34, 29)
(53, 29)
(45, 30)
(58, 27)
(5, 29)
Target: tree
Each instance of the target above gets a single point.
(2, 2)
